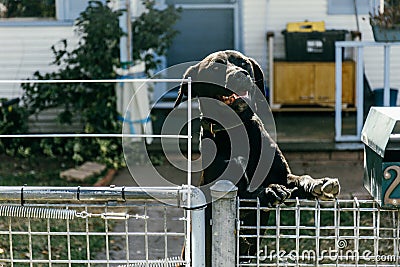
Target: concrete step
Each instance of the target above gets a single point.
(83, 172)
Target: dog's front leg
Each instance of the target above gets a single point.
(275, 194)
(269, 196)
(308, 187)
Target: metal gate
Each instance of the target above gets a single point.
(114, 226)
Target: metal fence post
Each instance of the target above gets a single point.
(223, 223)
(198, 202)
(197, 207)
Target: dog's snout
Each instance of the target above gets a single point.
(238, 80)
(237, 72)
(244, 72)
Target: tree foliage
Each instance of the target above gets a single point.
(390, 17)
(153, 33)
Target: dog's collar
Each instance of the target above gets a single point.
(215, 128)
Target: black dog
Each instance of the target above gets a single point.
(230, 88)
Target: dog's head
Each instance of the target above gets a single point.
(227, 76)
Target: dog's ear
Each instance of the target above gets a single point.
(258, 75)
(190, 72)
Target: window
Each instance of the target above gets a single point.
(27, 8)
(29, 11)
(69, 10)
(346, 7)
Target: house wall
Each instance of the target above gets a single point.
(254, 28)
(262, 16)
(24, 50)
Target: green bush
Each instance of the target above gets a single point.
(94, 103)
(13, 121)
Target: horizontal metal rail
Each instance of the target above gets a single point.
(148, 224)
(112, 193)
(93, 81)
(93, 136)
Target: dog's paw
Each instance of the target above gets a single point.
(326, 188)
(275, 194)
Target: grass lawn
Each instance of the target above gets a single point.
(36, 171)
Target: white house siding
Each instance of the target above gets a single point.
(254, 28)
(260, 16)
(24, 50)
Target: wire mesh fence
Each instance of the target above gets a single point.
(312, 233)
(138, 231)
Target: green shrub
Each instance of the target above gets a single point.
(13, 120)
(94, 103)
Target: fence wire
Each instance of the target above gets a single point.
(131, 233)
(312, 233)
